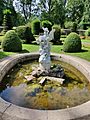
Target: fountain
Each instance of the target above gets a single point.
(55, 72)
(55, 89)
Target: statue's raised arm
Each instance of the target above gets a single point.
(51, 34)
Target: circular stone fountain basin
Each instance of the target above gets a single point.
(10, 110)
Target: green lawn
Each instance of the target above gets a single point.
(86, 40)
(5, 54)
(85, 54)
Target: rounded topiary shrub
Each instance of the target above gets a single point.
(35, 27)
(57, 34)
(87, 33)
(72, 43)
(24, 32)
(47, 24)
(11, 42)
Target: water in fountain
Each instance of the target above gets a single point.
(50, 95)
(51, 85)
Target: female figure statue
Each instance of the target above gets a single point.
(44, 41)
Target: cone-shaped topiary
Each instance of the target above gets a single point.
(11, 42)
(57, 34)
(72, 43)
(35, 26)
(7, 20)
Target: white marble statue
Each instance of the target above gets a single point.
(44, 41)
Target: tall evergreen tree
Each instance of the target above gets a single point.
(1, 11)
(7, 20)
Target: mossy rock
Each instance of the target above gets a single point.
(72, 43)
(11, 42)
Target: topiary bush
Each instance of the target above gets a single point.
(71, 25)
(47, 24)
(11, 42)
(7, 20)
(35, 26)
(68, 24)
(74, 27)
(57, 34)
(87, 33)
(72, 43)
(24, 32)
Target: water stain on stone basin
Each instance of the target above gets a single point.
(51, 95)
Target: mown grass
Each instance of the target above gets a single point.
(85, 40)
(85, 53)
(5, 54)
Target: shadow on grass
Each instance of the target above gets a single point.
(24, 51)
(84, 50)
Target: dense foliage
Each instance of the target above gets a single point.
(1, 11)
(11, 42)
(71, 25)
(75, 10)
(72, 43)
(24, 32)
(86, 14)
(57, 34)
(55, 11)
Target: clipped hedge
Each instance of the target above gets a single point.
(24, 32)
(11, 42)
(72, 43)
(35, 26)
(57, 34)
(47, 24)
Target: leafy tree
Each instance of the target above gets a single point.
(86, 14)
(20, 20)
(24, 7)
(52, 10)
(9, 5)
(74, 10)
(58, 13)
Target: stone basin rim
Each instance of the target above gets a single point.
(14, 112)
